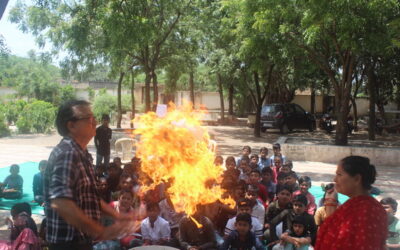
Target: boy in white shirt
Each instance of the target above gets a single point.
(155, 230)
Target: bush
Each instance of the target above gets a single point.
(4, 131)
(13, 109)
(37, 117)
(104, 104)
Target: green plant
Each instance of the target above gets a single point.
(104, 104)
(13, 109)
(37, 117)
(4, 131)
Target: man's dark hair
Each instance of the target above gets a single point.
(244, 217)
(285, 187)
(264, 149)
(391, 202)
(255, 170)
(247, 147)
(292, 174)
(276, 145)
(244, 202)
(66, 113)
(105, 117)
(282, 175)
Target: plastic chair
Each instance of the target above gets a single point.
(124, 148)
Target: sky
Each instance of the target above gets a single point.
(17, 42)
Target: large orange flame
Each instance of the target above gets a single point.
(175, 147)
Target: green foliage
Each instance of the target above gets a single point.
(104, 104)
(36, 117)
(4, 131)
(67, 93)
(13, 109)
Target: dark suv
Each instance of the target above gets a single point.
(286, 117)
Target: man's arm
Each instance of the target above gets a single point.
(74, 216)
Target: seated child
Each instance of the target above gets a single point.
(125, 183)
(291, 180)
(299, 208)
(329, 203)
(276, 148)
(242, 237)
(254, 179)
(258, 209)
(276, 167)
(230, 163)
(100, 171)
(24, 233)
(254, 159)
(193, 237)
(124, 202)
(280, 181)
(103, 190)
(296, 237)
(305, 184)
(266, 175)
(264, 161)
(155, 230)
(218, 161)
(393, 240)
(117, 161)
(11, 188)
(37, 184)
(287, 167)
(246, 151)
(113, 175)
(245, 170)
(282, 203)
(244, 206)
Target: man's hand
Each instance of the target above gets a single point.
(118, 229)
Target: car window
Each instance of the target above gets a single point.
(299, 109)
(271, 109)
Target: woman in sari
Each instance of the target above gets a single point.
(360, 223)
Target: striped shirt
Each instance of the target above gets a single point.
(69, 174)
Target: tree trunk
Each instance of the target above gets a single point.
(155, 89)
(341, 114)
(191, 85)
(381, 109)
(259, 103)
(133, 98)
(230, 98)
(355, 113)
(312, 107)
(372, 99)
(147, 91)
(221, 97)
(119, 118)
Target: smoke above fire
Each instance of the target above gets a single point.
(175, 149)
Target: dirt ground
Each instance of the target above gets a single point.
(230, 140)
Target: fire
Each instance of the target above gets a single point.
(175, 148)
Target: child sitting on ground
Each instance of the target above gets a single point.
(264, 161)
(244, 206)
(291, 180)
(155, 230)
(254, 159)
(280, 181)
(305, 184)
(393, 240)
(258, 209)
(37, 184)
(246, 151)
(113, 175)
(295, 238)
(282, 203)
(276, 148)
(266, 175)
(11, 188)
(276, 166)
(254, 179)
(328, 204)
(24, 233)
(218, 161)
(287, 167)
(100, 171)
(245, 170)
(242, 237)
(103, 190)
(193, 237)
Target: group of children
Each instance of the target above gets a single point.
(274, 208)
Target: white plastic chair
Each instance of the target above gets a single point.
(124, 148)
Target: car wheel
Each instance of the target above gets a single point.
(284, 129)
(263, 130)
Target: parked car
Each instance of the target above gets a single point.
(286, 117)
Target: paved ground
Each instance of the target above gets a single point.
(22, 148)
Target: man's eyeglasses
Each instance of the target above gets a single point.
(91, 118)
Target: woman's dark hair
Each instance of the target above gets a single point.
(247, 147)
(354, 165)
(66, 113)
(305, 179)
(230, 159)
